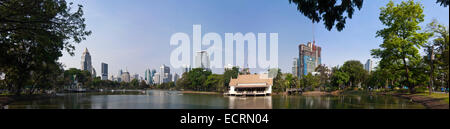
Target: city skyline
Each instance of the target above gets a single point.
(141, 42)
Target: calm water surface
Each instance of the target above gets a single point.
(157, 99)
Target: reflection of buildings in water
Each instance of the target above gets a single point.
(318, 102)
(260, 102)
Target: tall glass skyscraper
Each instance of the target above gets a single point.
(104, 71)
(164, 74)
(309, 58)
(368, 65)
(202, 60)
(86, 63)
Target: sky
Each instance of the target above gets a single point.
(134, 35)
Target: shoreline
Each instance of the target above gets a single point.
(6, 100)
(428, 102)
(199, 92)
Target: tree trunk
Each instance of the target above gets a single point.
(411, 88)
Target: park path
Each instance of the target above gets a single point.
(428, 102)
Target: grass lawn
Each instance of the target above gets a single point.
(437, 95)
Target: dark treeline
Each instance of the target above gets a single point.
(199, 79)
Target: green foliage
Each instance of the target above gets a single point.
(329, 11)
(310, 81)
(356, 72)
(440, 45)
(401, 39)
(32, 37)
(324, 75)
(230, 73)
(444, 3)
(199, 79)
(278, 81)
(339, 78)
(215, 82)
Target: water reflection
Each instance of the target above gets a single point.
(260, 102)
(159, 99)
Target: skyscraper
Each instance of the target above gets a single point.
(148, 76)
(126, 76)
(165, 75)
(94, 73)
(202, 60)
(186, 68)
(104, 71)
(368, 65)
(309, 58)
(119, 75)
(175, 77)
(135, 76)
(86, 63)
(156, 78)
(295, 64)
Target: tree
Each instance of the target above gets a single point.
(355, 70)
(183, 82)
(324, 75)
(310, 81)
(82, 76)
(328, 11)
(228, 74)
(278, 82)
(214, 82)
(134, 83)
(46, 77)
(441, 52)
(444, 3)
(197, 77)
(339, 78)
(401, 38)
(33, 34)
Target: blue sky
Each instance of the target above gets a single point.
(135, 34)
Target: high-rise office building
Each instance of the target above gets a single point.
(175, 77)
(202, 60)
(94, 73)
(111, 78)
(104, 71)
(295, 64)
(126, 76)
(165, 75)
(153, 73)
(309, 58)
(86, 63)
(136, 76)
(368, 66)
(186, 68)
(148, 77)
(156, 78)
(119, 76)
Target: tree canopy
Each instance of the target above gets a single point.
(33, 35)
(330, 12)
(333, 13)
(401, 39)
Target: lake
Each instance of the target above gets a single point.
(159, 99)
